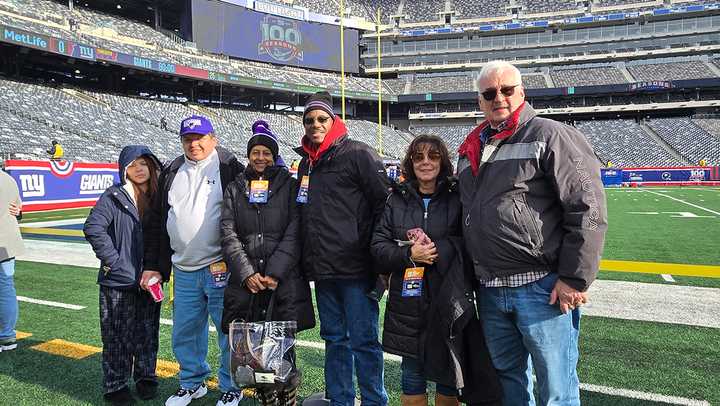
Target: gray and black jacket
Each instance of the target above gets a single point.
(536, 204)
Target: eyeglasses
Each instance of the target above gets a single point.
(507, 91)
(321, 120)
(418, 157)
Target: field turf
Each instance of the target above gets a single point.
(680, 226)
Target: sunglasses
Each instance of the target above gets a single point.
(507, 91)
(321, 120)
(418, 157)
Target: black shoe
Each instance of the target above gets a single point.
(120, 397)
(146, 389)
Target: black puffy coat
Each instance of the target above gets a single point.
(348, 188)
(263, 238)
(440, 328)
(405, 317)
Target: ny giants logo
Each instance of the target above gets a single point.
(32, 185)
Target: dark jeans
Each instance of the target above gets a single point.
(414, 382)
(349, 326)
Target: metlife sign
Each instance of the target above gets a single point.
(48, 185)
(26, 38)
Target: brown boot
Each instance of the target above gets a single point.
(414, 400)
(442, 400)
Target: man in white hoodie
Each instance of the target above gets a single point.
(183, 236)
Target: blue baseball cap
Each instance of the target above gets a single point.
(196, 125)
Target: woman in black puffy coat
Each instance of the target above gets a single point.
(418, 243)
(259, 229)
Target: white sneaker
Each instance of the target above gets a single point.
(230, 398)
(183, 396)
(7, 345)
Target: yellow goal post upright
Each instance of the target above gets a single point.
(380, 89)
(342, 56)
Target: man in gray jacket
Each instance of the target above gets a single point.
(534, 221)
(11, 245)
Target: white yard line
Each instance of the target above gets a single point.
(49, 303)
(667, 278)
(633, 394)
(683, 201)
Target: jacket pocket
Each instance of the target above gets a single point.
(529, 222)
(122, 273)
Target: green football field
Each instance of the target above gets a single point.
(675, 225)
(623, 362)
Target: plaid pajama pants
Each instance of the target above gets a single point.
(129, 325)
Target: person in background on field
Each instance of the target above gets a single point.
(430, 308)
(129, 317)
(534, 223)
(56, 151)
(163, 123)
(11, 245)
(182, 236)
(259, 228)
(342, 191)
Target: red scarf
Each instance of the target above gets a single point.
(314, 151)
(472, 145)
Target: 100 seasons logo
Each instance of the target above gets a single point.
(281, 40)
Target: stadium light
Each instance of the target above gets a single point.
(119, 7)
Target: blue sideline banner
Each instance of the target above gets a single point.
(611, 177)
(51, 185)
(681, 176)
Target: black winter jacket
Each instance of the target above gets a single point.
(456, 353)
(440, 328)
(158, 253)
(348, 187)
(263, 238)
(405, 317)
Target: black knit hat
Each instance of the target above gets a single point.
(319, 101)
(263, 136)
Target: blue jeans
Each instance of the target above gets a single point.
(414, 382)
(521, 326)
(8, 300)
(194, 301)
(349, 326)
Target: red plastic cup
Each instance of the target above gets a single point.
(156, 290)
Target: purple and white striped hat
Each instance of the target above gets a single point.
(319, 101)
